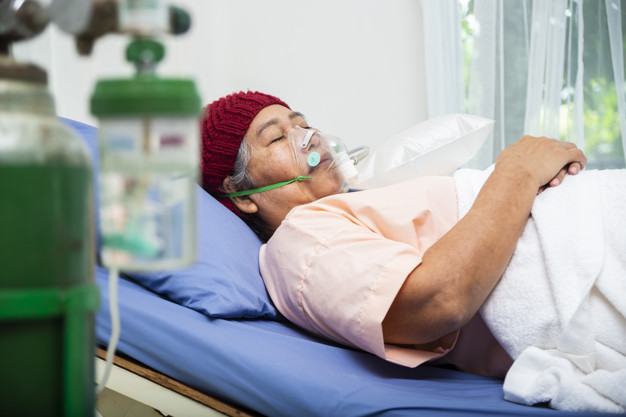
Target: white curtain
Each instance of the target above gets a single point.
(485, 73)
(545, 68)
(498, 79)
(613, 14)
(444, 57)
(537, 69)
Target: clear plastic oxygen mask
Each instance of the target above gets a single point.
(324, 159)
(322, 165)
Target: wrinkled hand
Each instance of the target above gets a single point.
(547, 161)
(571, 169)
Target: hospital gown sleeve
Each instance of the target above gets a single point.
(335, 266)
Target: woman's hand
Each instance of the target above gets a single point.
(571, 169)
(545, 160)
(459, 271)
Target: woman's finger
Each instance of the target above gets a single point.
(574, 168)
(559, 178)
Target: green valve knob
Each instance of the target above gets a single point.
(180, 21)
(145, 52)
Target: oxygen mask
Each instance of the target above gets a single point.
(322, 164)
(324, 158)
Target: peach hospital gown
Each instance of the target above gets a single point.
(334, 267)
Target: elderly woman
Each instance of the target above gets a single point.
(391, 271)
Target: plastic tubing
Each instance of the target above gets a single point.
(358, 154)
(115, 328)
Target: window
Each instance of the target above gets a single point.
(534, 88)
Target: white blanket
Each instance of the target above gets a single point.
(559, 309)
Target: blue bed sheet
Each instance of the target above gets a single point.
(277, 370)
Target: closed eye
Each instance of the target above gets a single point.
(283, 137)
(278, 139)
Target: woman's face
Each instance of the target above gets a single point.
(274, 160)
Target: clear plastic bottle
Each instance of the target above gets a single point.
(148, 172)
(149, 137)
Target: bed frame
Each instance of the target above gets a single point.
(134, 390)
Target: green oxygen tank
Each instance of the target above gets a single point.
(47, 291)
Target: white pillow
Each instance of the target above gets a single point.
(436, 146)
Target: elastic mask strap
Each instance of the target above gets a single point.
(266, 188)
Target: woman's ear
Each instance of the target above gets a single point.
(243, 203)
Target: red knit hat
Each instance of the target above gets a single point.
(224, 124)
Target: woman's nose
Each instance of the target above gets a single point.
(313, 143)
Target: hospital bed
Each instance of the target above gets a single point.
(273, 369)
(206, 340)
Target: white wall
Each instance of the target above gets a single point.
(354, 67)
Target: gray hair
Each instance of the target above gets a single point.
(240, 179)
